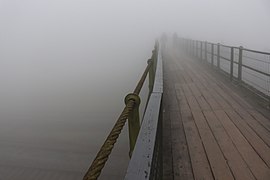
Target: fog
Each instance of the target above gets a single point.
(65, 67)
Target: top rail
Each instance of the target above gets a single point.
(237, 47)
(227, 46)
(259, 52)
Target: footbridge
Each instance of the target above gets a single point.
(207, 115)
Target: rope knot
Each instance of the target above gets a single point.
(133, 97)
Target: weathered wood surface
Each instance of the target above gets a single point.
(211, 131)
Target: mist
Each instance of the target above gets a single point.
(66, 66)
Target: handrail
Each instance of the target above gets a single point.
(260, 52)
(146, 161)
(242, 63)
(129, 112)
(228, 46)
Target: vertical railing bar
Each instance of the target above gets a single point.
(240, 64)
(231, 69)
(205, 51)
(218, 56)
(201, 50)
(212, 54)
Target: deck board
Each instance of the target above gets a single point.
(223, 135)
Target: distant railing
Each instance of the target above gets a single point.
(148, 129)
(248, 67)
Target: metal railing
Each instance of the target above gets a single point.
(249, 68)
(146, 161)
(131, 113)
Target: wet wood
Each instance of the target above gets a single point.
(221, 134)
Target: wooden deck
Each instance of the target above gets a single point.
(210, 131)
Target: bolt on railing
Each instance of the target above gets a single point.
(130, 113)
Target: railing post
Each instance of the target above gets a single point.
(197, 49)
(133, 120)
(154, 58)
(151, 75)
(231, 69)
(240, 64)
(195, 53)
(187, 46)
(205, 51)
(201, 50)
(193, 48)
(218, 56)
(212, 54)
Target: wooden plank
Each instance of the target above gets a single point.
(243, 140)
(193, 104)
(197, 153)
(224, 88)
(181, 158)
(199, 97)
(200, 165)
(255, 163)
(183, 105)
(219, 100)
(167, 139)
(257, 143)
(265, 135)
(237, 164)
(227, 97)
(218, 163)
(257, 127)
(261, 119)
(205, 90)
(210, 93)
(186, 90)
(191, 89)
(209, 84)
(235, 105)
